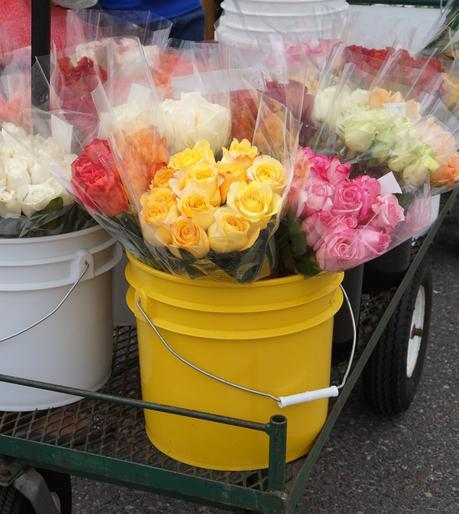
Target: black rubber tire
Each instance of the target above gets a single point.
(386, 386)
(12, 502)
(61, 484)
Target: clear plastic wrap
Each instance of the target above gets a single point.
(338, 219)
(32, 202)
(204, 211)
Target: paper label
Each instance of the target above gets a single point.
(399, 109)
(62, 132)
(389, 184)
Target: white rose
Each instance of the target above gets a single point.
(65, 166)
(323, 103)
(10, 207)
(14, 130)
(37, 198)
(17, 174)
(192, 119)
(60, 191)
(39, 172)
(2, 177)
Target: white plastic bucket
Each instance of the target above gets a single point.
(231, 35)
(286, 7)
(435, 211)
(73, 347)
(278, 23)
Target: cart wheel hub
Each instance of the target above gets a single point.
(417, 325)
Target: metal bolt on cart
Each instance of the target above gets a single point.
(102, 437)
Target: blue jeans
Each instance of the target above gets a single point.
(189, 26)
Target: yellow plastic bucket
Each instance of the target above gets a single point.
(272, 335)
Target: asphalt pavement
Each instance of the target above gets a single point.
(371, 464)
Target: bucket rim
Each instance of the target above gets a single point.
(45, 239)
(202, 282)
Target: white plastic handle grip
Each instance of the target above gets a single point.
(308, 396)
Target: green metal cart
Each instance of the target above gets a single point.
(102, 437)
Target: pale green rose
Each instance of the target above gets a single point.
(359, 135)
(417, 173)
(383, 144)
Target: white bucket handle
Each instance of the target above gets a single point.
(86, 264)
(282, 401)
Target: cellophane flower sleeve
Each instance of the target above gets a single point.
(32, 202)
(91, 176)
(211, 211)
(362, 187)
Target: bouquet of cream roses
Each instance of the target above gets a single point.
(32, 202)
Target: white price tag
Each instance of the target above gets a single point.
(399, 109)
(62, 132)
(389, 184)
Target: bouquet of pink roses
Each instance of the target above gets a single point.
(336, 222)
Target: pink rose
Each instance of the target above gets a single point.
(387, 213)
(348, 198)
(318, 197)
(340, 251)
(349, 248)
(327, 168)
(374, 241)
(371, 190)
(320, 224)
(337, 171)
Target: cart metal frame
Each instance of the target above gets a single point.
(102, 437)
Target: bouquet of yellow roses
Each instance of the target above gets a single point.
(207, 204)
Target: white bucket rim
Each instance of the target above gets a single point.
(45, 239)
(286, 15)
(268, 30)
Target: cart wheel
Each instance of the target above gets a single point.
(391, 377)
(12, 502)
(60, 484)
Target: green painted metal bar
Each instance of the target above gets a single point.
(277, 453)
(140, 404)
(140, 476)
(313, 455)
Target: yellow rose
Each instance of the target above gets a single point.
(162, 177)
(242, 148)
(155, 219)
(241, 152)
(207, 155)
(201, 151)
(230, 172)
(185, 159)
(158, 195)
(188, 235)
(270, 171)
(255, 201)
(196, 205)
(204, 177)
(231, 232)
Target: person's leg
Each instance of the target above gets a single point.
(190, 26)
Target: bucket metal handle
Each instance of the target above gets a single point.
(85, 265)
(282, 401)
